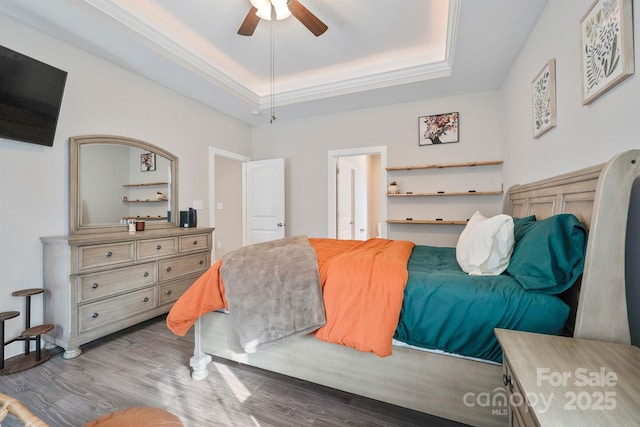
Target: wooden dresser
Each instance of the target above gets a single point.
(97, 284)
(560, 381)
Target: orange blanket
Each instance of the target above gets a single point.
(363, 285)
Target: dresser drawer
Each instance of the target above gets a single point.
(520, 413)
(98, 285)
(176, 267)
(194, 242)
(170, 292)
(156, 247)
(103, 255)
(100, 313)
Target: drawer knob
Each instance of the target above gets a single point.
(168, 292)
(159, 247)
(95, 315)
(507, 381)
(94, 286)
(146, 274)
(168, 269)
(108, 254)
(146, 299)
(201, 261)
(195, 242)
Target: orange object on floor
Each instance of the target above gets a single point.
(143, 416)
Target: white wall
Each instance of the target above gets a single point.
(585, 135)
(306, 142)
(228, 214)
(99, 98)
(493, 125)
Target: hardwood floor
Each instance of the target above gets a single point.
(147, 365)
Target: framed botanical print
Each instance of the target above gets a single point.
(606, 47)
(544, 99)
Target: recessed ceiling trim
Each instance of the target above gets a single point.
(192, 61)
(452, 29)
(171, 49)
(360, 84)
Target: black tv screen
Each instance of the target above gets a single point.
(30, 97)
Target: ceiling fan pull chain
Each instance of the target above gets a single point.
(273, 86)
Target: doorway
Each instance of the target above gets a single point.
(246, 200)
(357, 209)
(225, 200)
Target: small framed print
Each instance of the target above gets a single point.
(147, 162)
(438, 129)
(544, 99)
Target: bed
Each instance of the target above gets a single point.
(465, 389)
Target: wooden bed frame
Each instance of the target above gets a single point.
(447, 386)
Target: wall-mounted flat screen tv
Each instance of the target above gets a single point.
(30, 98)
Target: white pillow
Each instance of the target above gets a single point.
(485, 245)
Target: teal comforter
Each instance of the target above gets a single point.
(444, 308)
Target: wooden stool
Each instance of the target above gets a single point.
(6, 315)
(27, 317)
(35, 332)
(143, 416)
(24, 361)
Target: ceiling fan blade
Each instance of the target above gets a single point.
(250, 23)
(308, 19)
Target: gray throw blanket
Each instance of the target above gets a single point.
(273, 291)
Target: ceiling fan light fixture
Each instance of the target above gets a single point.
(264, 8)
(281, 8)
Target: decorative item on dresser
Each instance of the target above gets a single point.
(104, 276)
(562, 381)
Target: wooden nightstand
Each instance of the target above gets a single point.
(560, 381)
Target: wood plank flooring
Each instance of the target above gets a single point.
(147, 365)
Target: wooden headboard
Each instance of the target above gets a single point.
(599, 196)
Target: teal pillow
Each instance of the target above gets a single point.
(520, 225)
(549, 255)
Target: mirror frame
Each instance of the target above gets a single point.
(75, 143)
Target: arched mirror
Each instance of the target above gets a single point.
(116, 179)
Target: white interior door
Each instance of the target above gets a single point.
(345, 191)
(264, 200)
(377, 213)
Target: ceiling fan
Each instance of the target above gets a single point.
(261, 9)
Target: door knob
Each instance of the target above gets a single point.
(280, 224)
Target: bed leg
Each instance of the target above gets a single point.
(200, 360)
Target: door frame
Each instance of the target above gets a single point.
(331, 186)
(213, 152)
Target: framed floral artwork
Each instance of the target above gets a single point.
(607, 47)
(544, 99)
(147, 162)
(438, 129)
